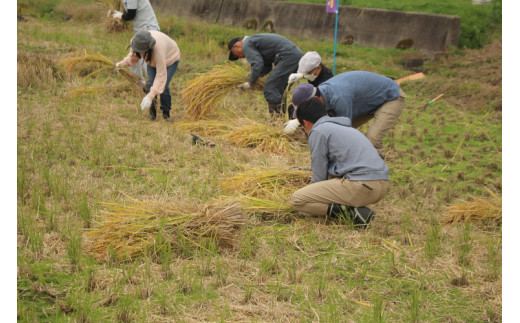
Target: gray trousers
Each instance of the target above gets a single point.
(315, 198)
(278, 79)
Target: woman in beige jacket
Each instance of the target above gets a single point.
(162, 56)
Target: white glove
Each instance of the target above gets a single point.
(117, 14)
(118, 64)
(244, 86)
(295, 77)
(291, 125)
(146, 103)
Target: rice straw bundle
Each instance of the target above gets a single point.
(100, 89)
(115, 25)
(206, 127)
(130, 230)
(266, 138)
(100, 63)
(204, 93)
(267, 183)
(488, 212)
(268, 207)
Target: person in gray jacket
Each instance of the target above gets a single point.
(347, 171)
(141, 13)
(263, 51)
(359, 96)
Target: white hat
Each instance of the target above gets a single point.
(308, 62)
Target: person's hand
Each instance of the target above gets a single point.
(244, 86)
(291, 125)
(295, 77)
(146, 103)
(117, 14)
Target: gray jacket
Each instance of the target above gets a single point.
(264, 50)
(339, 150)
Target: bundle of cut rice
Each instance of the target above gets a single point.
(204, 93)
(266, 183)
(97, 63)
(126, 231)
(267, 138)
(488, 212)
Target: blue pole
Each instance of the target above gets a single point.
(335, 39)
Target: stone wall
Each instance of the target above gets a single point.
(366, 27)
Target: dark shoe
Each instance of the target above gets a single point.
(153, 113)
(166, 115)
(358, 216)
(361, 216)
(274, 108)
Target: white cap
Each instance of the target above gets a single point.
(308, 62)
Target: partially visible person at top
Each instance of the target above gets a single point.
(263, 51)
(311, 69)
(347, 171)
(359, 96)
(162, 56)
(141, 13)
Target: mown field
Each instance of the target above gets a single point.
(81, 155)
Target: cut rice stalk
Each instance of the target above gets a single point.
(266, 183)
(204, 93)
(488, 212)
(127, 231)
(266, 138)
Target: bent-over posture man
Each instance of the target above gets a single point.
(347, 172)
(263, 51)
(359, 96)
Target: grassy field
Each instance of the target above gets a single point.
(81, 157)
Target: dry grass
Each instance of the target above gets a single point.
(204, 93)
(35, 70)
(136, 228)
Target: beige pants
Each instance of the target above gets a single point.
(315, 198)
(385, 118)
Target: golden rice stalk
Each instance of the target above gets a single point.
(488, 212)
(99, 63)
(127, 231)
(115, 25)
(266, 138)
(266, 183)
(99, 89)
(206, 127)
(205, 92)
(268, 207)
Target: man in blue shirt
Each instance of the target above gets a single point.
(347, 171)
(359, 96)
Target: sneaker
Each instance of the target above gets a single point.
(361, 216)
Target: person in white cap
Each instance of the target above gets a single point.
(311, 69)
(162, 56)
(141, 13)
(359, 96)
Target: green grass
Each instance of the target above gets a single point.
(75, 153)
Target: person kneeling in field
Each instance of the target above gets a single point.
(347, 171)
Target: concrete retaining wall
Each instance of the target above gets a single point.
(366, 27)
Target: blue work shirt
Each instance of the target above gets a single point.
(357, 93)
